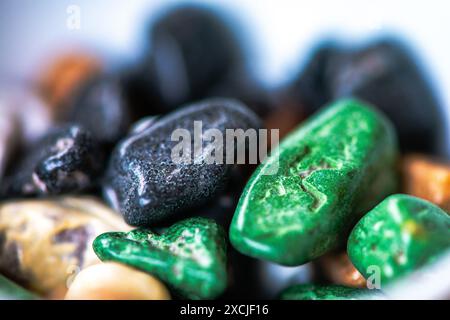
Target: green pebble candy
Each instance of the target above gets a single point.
(332, 292)
(190, 256)
(302, 201)
(398, 236)
(11, 291)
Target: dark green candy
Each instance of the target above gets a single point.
(331, 169)
(11, 291)
(190, 256)
(398, 236)
(335, 292)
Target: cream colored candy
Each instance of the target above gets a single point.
(114, 281)
(46, 242)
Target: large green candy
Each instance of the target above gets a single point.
(334, 292)
(398, 236)
(335, 166)
(11, 291)
(190, 256)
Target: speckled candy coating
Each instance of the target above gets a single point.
(190, 256)
(315, 292)
(147, 186)
(399, 235)
(337, 165)
(66, 160)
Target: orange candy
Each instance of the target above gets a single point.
(64, 76)
(427, 178)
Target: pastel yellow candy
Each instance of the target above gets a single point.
(114, 281)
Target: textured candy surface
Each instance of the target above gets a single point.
(314, 292)
(190, 256)
(44, 242)
(300, 203)
(398, 236)
(147, 186)
(65, 160)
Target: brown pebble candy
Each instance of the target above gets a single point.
(63, 76)
(338, 269)
(426, 178)
(114, 281)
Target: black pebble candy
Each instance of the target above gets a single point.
(384, 73)
(100, 107)
(65, 160)
(143, 182)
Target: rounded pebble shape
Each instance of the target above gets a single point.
(66, 160)
(384, 72)
(99, 107)
(316, 292)
(43, 243)
(305, 197)
(187, 62)
(190, 256)
(63, 74)
(427, 178)
(146, 186)
(114, 281)
(400, 235)
(11, 291)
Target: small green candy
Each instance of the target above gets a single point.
(398, 236)
(190, 256)
(302, 201)
(332, 292)
(11, 291)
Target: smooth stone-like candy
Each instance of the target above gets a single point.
(11, 291)
(67, 159)
(190, 256)
(43, 243)
(187, 62)
(99, 107)
(385, 73)
(304, 198)
(400, 235)
(427, 178)
(114, 281)
(316, 292)
(147, 186)
(63, 75)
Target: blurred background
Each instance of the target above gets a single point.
(277, 35)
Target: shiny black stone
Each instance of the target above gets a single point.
(147, 186)
(100, 107)
(65, 160)
(193, 53)
(384, 73)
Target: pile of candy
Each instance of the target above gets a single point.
(93, 205)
